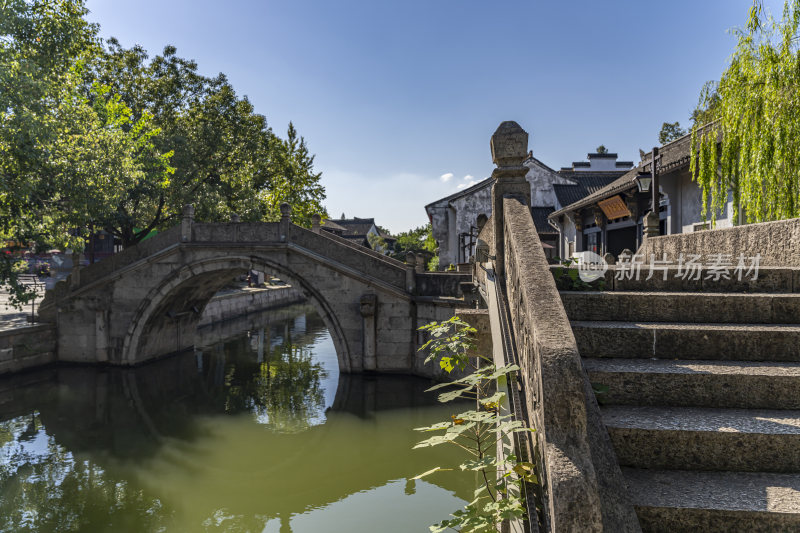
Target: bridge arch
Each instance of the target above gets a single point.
(173, 307)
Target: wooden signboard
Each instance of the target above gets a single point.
(614, 207)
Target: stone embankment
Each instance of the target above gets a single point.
(233, 304)
(24, 346)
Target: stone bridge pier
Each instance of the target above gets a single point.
(145, 302)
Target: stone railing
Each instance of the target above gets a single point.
(362, 249)
(361, 259)
(582, 483)
(777, 242)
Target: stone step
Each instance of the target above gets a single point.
(730, 384)
(692, 307)
(769, 279)
(668, 501)
(734, 342)
(681, 438)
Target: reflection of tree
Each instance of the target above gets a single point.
(284, 391)
(45, 488)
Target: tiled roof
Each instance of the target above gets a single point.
(355, 226)
(569, 194)
(674, 155)
(330, 224)
(539, 215)
(584, 185)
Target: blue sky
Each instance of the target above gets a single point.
(391, 96)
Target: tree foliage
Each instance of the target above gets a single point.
(670, 131)
(67, 145)
(746, 138)
(476, 432)
(226, 158)
(414, 240)
(99, 136)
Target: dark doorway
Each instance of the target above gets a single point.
(621, 238)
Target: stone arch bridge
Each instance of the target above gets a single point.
(145, 302)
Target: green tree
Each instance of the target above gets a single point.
(226, 157)
(601, 149)
(102, 137)
(746, 130)
(670, 131)
(67, 148)
(414, 240)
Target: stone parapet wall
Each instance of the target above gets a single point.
(441, 283)
(583, 484)
(777, 242)
(358, 258)
(27, 347)
(246, 301)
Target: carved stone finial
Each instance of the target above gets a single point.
(235, 217)
(188, 211)
(411, 258)
(509, 145)
(286, 210)
(316, 218)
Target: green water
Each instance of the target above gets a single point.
(257, 432)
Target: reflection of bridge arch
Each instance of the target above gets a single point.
(181, 289)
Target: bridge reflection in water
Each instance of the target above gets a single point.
(256, 433)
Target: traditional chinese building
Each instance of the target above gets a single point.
(362, 231)
(454, 218)
(610, 219)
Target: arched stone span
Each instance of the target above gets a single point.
(186, 292)
(145, 302)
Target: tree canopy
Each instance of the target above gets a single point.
(96, 135)
(670, 131)
(414, 240)
(746, 135)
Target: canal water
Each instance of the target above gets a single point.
(254, 432)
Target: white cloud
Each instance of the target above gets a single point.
(470, 183)
(446, 177)
(469, 177)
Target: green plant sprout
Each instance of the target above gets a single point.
(476, 432)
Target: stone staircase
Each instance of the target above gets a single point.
(699, 387)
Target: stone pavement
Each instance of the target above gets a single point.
(11, 317)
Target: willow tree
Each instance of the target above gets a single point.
(746, 136)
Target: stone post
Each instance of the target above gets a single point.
(286, 221)
(75, 274)
(186, 223)
(315, 220)
(235, 218)
(411, 265)
(509, 146)
(368, 305)
(420, 267)
(651, 224)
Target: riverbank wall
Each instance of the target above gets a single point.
(27, 347)
(248, 300)
(33, 346)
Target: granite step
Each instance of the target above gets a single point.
(675, 340)
(769, 279)
(711, 502)
(692, 438)
(698, 383)
(686, 307)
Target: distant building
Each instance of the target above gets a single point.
(360, 231)
(609, 218)
(454, 218)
